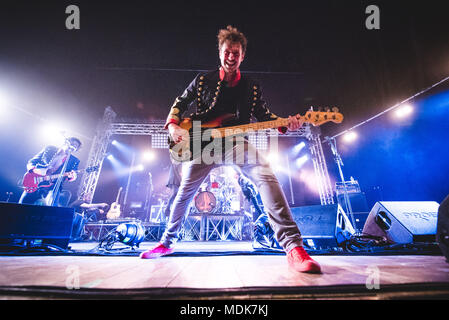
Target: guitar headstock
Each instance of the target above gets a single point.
(319, 117)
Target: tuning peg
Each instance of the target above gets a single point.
(335, 109)
(311, 108)
(328, 110)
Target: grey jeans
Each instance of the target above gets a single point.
(256, 168)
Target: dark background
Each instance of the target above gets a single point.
(305, 54)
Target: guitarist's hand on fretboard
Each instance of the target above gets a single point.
(295, 122)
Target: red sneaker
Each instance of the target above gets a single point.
(158, 251)
(300, 260)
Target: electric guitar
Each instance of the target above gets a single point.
(115, 211)
(31, 181)
(182, 151)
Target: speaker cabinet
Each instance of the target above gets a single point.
(323, 226)
(403, 221)
(35, 225)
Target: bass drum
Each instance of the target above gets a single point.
(205, 202)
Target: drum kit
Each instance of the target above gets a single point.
(220, 195)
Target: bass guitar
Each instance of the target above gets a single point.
(182, 151)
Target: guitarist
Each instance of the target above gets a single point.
(50, 161)
(228, 91)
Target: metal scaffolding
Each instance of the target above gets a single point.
(320, 166)
(96, 155)
(108, 127)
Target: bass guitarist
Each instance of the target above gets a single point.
(51, 161)
(219, 92)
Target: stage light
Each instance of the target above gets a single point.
(130, 234)
(4, 101)
(114, 142)
(403, 111)
(301, 160)
(272, 157)
(149, 156)
(159, 141)
(297, 148)
(139, 167)
(350, 136)
(53, 134)
(110, 157)
(259, 141)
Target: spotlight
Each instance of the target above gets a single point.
(114, 142)
(110, 157)
(296, 149)
(130, 234)
(350, 136)
(301, 160)
(4, 101)
(53, 134)
(140, 167)
(149, 155)
(403, 111)
(273, 157)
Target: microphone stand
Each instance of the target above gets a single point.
(333, 144)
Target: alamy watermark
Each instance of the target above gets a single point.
(372, 22)
(373, 279)
(220, 146)
(72, 282)
(73, 20)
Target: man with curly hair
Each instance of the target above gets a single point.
(228, 91)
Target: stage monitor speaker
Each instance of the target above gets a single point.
(403, 221)
(34, 225)
(323, 226)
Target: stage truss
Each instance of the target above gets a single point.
(109, 126)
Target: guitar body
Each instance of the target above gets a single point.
(191, 148)
(115, 210)
(183, 151)
(31, 184)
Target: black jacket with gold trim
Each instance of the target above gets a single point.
(212, 98)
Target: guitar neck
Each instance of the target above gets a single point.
(54, 176)
(234, 130)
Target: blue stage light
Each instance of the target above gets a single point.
(301, 160)
(297, 148)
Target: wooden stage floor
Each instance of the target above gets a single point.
(221, 276)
